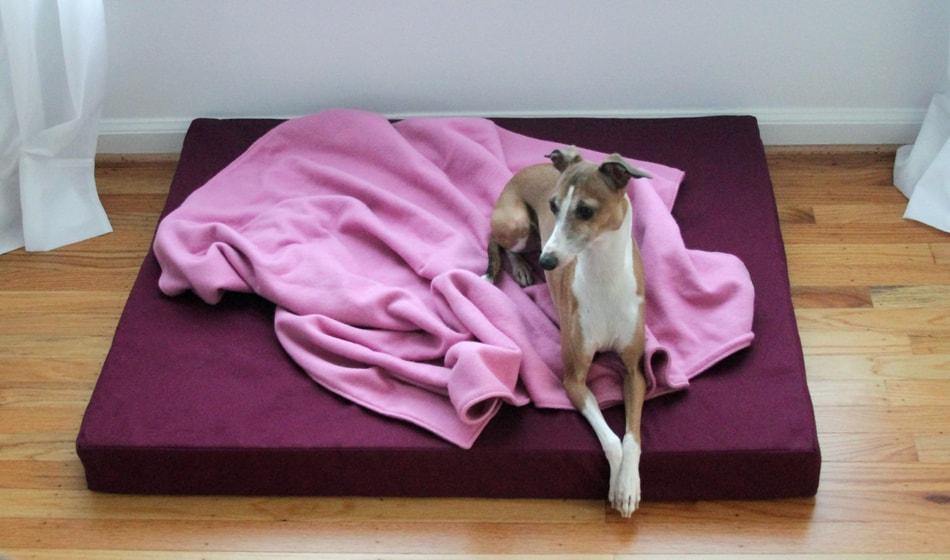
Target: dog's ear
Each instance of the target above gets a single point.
(617, 171)
(562, 158)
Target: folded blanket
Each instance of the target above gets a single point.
(370, 238)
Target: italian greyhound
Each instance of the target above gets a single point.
(581, 214)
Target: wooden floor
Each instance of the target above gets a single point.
(872, 296)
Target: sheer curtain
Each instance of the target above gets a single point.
(52, 78)
(922, 169)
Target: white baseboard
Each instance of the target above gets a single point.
(141, 136)
(778, 126)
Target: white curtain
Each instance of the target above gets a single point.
(52, 79)
(922, 169)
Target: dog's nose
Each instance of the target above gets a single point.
(548, 261)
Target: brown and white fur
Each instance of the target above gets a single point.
(582, 214)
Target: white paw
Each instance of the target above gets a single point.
(627, 497)
(614, 453)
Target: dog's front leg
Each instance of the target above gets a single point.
(576, 365)
(627, 498)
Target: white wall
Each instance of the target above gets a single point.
(812, 70)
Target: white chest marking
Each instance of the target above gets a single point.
(605, 287)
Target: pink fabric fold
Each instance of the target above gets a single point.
(370, 238)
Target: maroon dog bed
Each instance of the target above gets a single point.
(202, 399)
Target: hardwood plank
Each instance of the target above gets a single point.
(788, 214)
(13, 302)
(880, 213)
(152, 179)
(862, 255)
(858, 366)
(839, 366)
(887, 297)
(825, 297)
(941, 250)
(66, 474)
(817, 179)
(933, 448)
(913, 502)
(844, 392)
(782, 535)
(920, 321)
(52, 372)
(859, 233)
(872, 264)
(928, 366)
(838, 556)
(917, 392)
(99, 323)
(76, 269)
(831, 342)
(866, 419)
(897, 449)
(61, 312)
(138, 204)
(31, 397)
(80, 504)
(930, 343)
(54, 346)
(843, 187)
(832, 170)
(34, 554)
(25, 420)
(871, 505)
(931, 480)
(39, 446)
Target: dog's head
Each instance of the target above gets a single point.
(589, 200)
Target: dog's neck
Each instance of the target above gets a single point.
(611, 254)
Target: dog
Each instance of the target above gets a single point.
(581, 215)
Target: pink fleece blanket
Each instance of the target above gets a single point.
(370, 238)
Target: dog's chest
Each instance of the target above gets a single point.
(608, 305)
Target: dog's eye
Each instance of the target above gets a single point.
(553, 204)
(584, 212)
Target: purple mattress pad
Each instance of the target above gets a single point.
(199, 399)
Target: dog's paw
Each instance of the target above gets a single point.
(627, 497)
(520, 270)
(523, 277)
